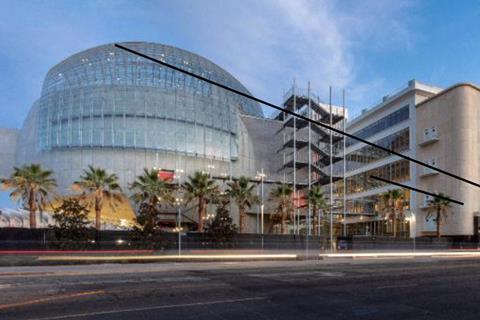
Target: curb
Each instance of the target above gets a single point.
(355, 256)
(49, 260)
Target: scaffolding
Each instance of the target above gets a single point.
(310, 153)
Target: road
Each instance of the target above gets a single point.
(347, 289)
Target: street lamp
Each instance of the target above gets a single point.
(413, 228)
(179, 230)
(178, 203)
(261, 176)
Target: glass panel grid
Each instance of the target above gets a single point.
(107, 97)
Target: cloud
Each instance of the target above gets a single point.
(264, 43)
(267, 44)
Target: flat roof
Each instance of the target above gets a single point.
(455, 86)
(412, 85)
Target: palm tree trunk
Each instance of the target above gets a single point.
(201, 209)
(98, 215)
(32, 210)
(282, 226)
(151, 217)
(438, 223)
(319, 227)
(98, 219)
(242, 219)
(394, 224)
(323, 232)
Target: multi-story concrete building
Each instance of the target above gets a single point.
(439, 127)
(448, 136)
(392, 124)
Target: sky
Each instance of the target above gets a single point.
(369, 48)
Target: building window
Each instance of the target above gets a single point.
(373, 205)
(395, 171)
(386, 122)
(398, 142)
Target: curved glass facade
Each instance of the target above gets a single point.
(106, 97)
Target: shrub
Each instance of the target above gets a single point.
(71, 224)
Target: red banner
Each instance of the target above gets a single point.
(299, 200)
(166, 175)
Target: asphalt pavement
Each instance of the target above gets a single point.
(442, 288)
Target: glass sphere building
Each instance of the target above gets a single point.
(109, 108)
(106, 97)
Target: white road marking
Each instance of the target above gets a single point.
(169, 306)
(5, 286)
(286, 275)
(398, 286)
(433, 254)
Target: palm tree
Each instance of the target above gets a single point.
(242, 192)
(32, 185)
(441, 207)
(97, 185)
(318, 202)
(150, 188)
(393, 201)
(282, 194)
(201, 187)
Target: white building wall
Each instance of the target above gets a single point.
(414, 93)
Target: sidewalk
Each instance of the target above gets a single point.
(25, 258)
(404, 254)
(38, 258)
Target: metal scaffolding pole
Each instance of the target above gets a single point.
(344, 169)
(284, 151)
(323, 211)
(257, 228)
(262, 175)
(309, 233)
(284, 154)
(331, 171)
(294, 156)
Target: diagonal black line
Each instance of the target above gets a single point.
(271, 105)
(418, 190)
